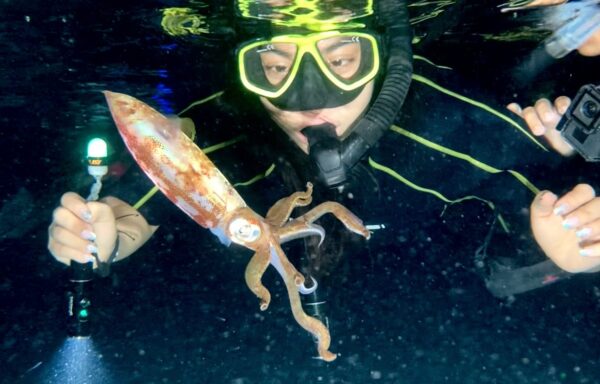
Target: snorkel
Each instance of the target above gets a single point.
(335, 158)
(583, 20)
(572, 24)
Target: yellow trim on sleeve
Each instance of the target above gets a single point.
(481, 165)
(202, 101)
(433, 192)
(256, 178)
(478, 104)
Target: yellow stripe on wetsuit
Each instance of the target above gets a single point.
(462, 156)
(477, 104)
(479, 164)
(437, 194)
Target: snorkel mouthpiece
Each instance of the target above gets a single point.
(324, 151)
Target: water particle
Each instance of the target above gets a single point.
(375, 375)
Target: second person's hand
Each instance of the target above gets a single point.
(568, 228)
(543, 118)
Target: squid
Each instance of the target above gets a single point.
(194, 184)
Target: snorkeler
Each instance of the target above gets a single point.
(444, 176)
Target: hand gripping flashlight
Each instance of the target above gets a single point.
(81, 275)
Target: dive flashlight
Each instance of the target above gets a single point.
(81, 275)
(97, 154)
(79, 302)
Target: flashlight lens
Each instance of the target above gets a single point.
(97, 148)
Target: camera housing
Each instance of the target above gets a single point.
(580, 125)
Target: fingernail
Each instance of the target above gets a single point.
(88, 235)
(560, 210)
(91, 248)
(583, 233)
(585, 252)
(570, 223)
(87, 216)
(545, 197)
(89, 258)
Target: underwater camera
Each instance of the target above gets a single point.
(580, 125)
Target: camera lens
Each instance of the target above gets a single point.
(589, 109)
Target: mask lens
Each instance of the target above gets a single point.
(268, 66)
(277, 60)
(349, 58)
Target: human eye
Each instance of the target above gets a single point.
(342, 56)
(344, 66)
(342, 62)
(275, 69)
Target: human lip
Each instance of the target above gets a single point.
(315, 121)
(313, 118)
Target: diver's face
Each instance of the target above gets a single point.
(342, 117)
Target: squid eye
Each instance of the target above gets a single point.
(243, 231)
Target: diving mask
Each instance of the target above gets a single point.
(338, 63)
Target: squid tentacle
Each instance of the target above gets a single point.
(254, 271)
(192, 182)
(280, 212)
(299, 229)
(311, 324)
(305, 291)
(343, 214)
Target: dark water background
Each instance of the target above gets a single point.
(167, 315)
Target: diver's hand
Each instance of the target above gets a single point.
(568, 228)
(80, 228)
(543, 118)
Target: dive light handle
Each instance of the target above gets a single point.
(78, 299)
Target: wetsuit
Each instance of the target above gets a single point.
(436, 181)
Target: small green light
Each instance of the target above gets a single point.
(97, 148)
(83, 314)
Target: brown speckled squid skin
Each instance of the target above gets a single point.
(191, 181)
